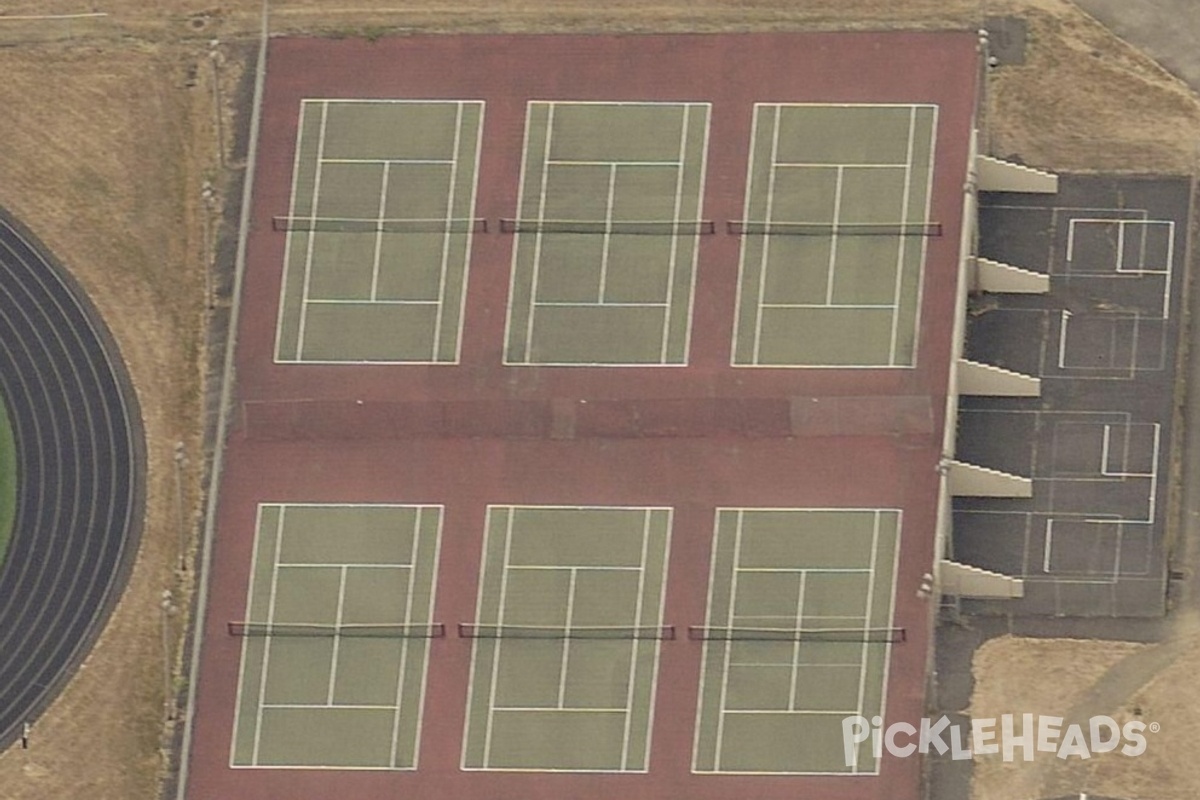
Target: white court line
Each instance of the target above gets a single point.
(1105, 438)
(1064, 316)
(733, 581)
(1111, 576)
(673, 255)
(1117, 553)
(1141, 269)
(337, 640)
(662, 601)
(242, 676)
(468, 245)
(371, 302)
(933, 138)
(487, 739)
(902, 244)
(308, 256)
(537, 240)
(571, 304)
(777, 711)
(568, 710)
(560, 567)
(516, 250)
(546, 162)
(1142, 216)
(765, 664)
(1120, 250)
(408, 609)
(383, 101)
(865, 306)
(278, 565)
(802, 574)
(1133, 346)
(854, 106)
(287, 242)
(382, 213)
(804, 569)
(1170, 276)
(1152, 511)
(864, 649)
(386, 161)
(702, 702)
(1127, 372)
(695, 256)
(353, 706)
(356, 565)
(569, 162)
(796, 645)
(634, 646)
(833, 239)
(566, 643)
(471, 683)
(606, 241)
(766, 244)
(262, 686)
(560, 703)
(835, 164)
(742, 266)
(428, 613)
(435, 346)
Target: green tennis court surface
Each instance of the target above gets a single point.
(321, 689)
(582, 701)
(836, 228)
(607, 233)
(379, 231)
(773, 703)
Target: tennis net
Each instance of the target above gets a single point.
(651, 227)
(764, 228)
(740, 634)
(432, 630)
(470, 630)
(370, 225)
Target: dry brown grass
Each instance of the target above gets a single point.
(102, 159)
(1166, 771)
(1049, 677)
(104, 151)
(1085, 101)
(1039, 676)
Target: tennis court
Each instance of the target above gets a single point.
(337, 633)
(607, 232)
(797, 638)
(834, 236)
(379, 231)
(567, 636)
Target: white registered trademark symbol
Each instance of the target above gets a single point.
(1155, 727)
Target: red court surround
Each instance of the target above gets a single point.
(695, 474)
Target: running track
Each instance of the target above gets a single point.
(79, 484)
